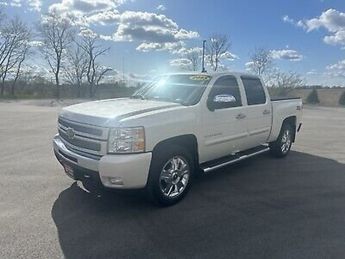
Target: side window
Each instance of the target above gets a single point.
(254, 90)
(226, 86)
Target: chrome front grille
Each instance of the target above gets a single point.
(83, 139)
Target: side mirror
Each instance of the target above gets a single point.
(221, 101)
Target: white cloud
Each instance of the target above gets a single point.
(312, 72)
(87, 12)
(104, 18)
(229, 56)
(106, 37)
(187, 51)
(35, 5)
(337, 69)
(161, 7)
(183, 34)
(337, 39)
(143, 26)
(331, 20)
(153, 31)
(87, 32)
(172, 47)
(85, 6)
(150, 27)
(286, 54)
(32, 5)
(287, 19)
(249, 66)
(181, 63)
(36, 43)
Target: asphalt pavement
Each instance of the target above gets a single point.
(260, 208)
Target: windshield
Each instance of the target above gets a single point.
(183, 89)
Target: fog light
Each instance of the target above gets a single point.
(116, 180)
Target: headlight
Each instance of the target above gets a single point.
(126, 140)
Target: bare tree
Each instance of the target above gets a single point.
(101, 71)
(21, 59)
(260, 61)
(218, 45)
(194, 56)
(282, 83)
(76, 68)
(286, 79)
(14, 44)
(57, 35)
(93, 51)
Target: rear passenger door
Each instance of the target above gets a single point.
(258, 111)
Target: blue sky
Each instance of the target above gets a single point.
(307, 36)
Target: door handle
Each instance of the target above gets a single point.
(266, 112)
(240, 116)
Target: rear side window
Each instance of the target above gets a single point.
(254, 90)
(227, 85)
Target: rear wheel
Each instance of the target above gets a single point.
(170, 175)
(281, 147)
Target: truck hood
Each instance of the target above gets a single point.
(111, 112)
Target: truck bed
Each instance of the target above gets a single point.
(284, 108)
(277, 98)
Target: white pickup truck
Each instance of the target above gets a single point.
(173, 128)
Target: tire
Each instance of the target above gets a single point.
(171, 174)
(281, 147)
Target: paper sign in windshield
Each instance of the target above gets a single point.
(200, 78)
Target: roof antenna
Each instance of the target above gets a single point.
(203, 57)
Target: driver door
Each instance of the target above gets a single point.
(223, 123)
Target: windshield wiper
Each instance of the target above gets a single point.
(138, 96)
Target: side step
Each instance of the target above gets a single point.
(228, 160)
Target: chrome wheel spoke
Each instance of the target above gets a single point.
(182, 173)
(286, 141)
(169, 189)
(165, 175)
(179, 185)
(175, 163)
(174, 176)
(183, 166)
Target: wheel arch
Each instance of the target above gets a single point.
(188, 141)
(291, 120)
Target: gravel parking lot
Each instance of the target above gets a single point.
(260, 208)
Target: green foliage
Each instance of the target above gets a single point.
(342, 99)
(313, 97)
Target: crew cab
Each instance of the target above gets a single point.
(173, 128)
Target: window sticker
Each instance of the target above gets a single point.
(200, 78)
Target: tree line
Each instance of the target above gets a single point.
(68, 50)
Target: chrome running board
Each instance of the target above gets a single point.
(234, 160)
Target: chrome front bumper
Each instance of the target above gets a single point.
(115, 171)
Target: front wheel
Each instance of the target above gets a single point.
(170, 175)
(281, 147)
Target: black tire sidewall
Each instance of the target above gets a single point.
(275, 147)
(159, 159)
